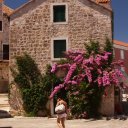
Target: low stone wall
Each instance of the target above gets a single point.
(4, 77)
(107, 104)
(15, 101)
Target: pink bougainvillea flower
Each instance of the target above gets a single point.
(64, 66)
(75, 93)
(91, 70)
(70, 72)
(98, 60)
(89, 75)
(54, 67)
(99, 81)
(73, 82)
(56, 89)
(99, 71)
(105, 78)
(78, 58)
(91, 59)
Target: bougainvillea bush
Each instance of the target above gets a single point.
(86, 79)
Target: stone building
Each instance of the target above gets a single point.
(121, 53)
(5, 12)
(46, 28)
(4, 46)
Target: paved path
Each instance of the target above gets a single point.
(25, 122)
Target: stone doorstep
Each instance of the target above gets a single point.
(3, 94)
(5, 107)
(4, 98)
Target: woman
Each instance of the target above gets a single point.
(61, 116)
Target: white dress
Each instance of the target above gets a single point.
(63, 115)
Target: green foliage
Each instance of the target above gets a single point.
(85, 100)
(35, 88)
(109, 48)
(92, 47)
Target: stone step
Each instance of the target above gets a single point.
(4, 104)
(3, 101)
(3, 95)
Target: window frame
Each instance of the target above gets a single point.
(121, 54)
(114, 55)
(3, 51)
(52, 47)
(52, 13)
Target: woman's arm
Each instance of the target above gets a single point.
(58, 103)
(65, 104)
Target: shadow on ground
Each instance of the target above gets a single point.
(5, 127)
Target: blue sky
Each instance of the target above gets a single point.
(120, 9)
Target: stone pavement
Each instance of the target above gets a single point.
(37, 122)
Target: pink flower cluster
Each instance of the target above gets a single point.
(86, 68)
(70, 72)
(105, 78)
(88, 74)
(56, 89)
(54, 67)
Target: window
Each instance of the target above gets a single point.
(122, 54)
(59, 47)
(5, 52)
(59, 13)
(1, 26)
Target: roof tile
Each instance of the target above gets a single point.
(120, 43)
(7, 10)
(1, 1)
(102, 1)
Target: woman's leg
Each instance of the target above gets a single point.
(63, 122)
(58, 122)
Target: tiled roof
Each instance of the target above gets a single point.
(7, 10)
(99, 2)
(120, 43)
(102, 1)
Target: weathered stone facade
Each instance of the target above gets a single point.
(31, 29)
(4, 39)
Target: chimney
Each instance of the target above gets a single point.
(103, 1)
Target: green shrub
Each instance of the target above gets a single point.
(35, 88)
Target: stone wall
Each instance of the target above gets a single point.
(108, 102)
(31, 29)
(4, 77)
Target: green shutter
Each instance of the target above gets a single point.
(59, 48)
